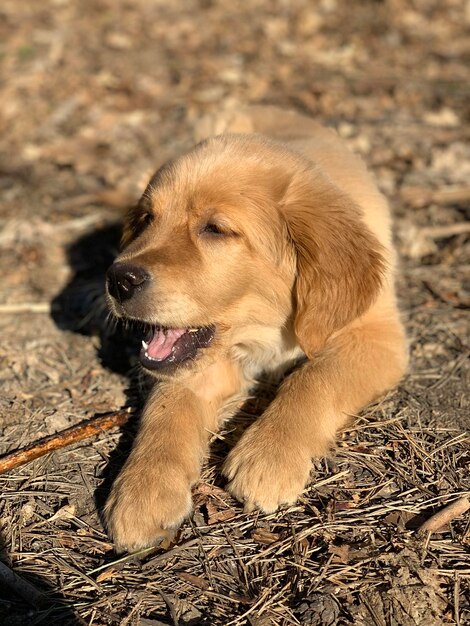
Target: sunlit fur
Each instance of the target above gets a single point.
(303, 266)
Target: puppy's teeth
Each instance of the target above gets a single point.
(192, 330)
(145, 346)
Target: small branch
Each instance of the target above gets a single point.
(444, 516)
(26, 307)
(67, 437)
(34, 229)
(418, 242)
(422, 196)
(442, 232)
(114, 198)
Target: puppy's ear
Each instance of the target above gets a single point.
(339, 261)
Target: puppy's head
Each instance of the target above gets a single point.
(204, 253)
(238, 234)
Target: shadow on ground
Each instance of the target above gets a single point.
(30, 600)
(80, 306)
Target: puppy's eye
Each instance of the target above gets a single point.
(147, 218)
(211, 229)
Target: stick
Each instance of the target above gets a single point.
(84, 430)
(26, 307)
(421, 196)
(444, 516)
(420, 241)
(441, 232)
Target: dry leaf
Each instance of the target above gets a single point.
(108, 573)
(197, 581)
(215, 515)
(261, 535)
(341, 553)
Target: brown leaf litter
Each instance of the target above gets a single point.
(95, 96)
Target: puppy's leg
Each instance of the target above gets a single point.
(271, 463)
(152, 494)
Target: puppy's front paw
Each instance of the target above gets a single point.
(147, 505)
(266, 473)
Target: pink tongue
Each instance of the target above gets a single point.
(162, 342)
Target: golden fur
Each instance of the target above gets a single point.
(304, 266)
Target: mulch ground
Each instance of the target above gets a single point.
(94, 96)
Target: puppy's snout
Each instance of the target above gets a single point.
(125, 279)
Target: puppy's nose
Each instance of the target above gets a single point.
(124, 279)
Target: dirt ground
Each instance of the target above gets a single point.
(94, 96)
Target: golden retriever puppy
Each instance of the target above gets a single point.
(251, 251)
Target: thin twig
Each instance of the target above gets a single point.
(449, 230)
(419, 242)
(457, 599)
(421, 196)
(444, 516)
(26, 307)
(70, 436)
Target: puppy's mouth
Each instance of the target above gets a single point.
(163, 347)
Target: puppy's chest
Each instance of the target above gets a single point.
(266, 352)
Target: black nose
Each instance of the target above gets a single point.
(124, 279)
